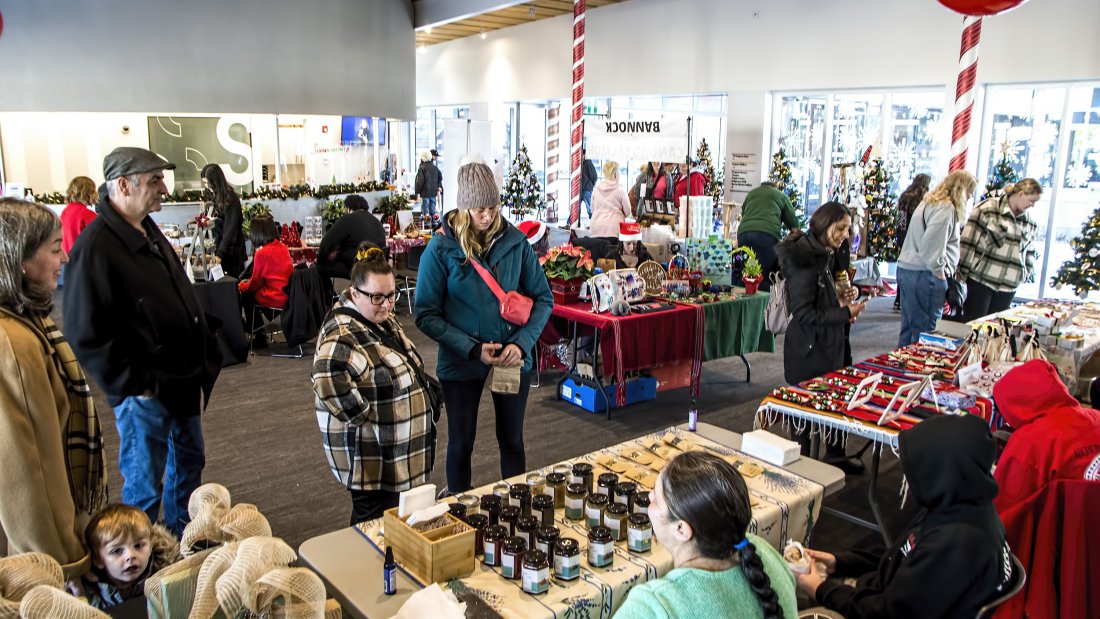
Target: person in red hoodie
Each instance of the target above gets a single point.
(271, 269)
(694, 180)
(1055, 437)
(77, 215)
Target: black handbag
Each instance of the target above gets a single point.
(956, 296)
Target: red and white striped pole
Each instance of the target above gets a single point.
(576, 117)
(964, 91)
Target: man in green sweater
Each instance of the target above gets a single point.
(765, 211)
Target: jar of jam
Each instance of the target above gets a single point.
(545, 538)
(567, 559)
(479, 522)
(641, 503)
(639, 533)
(511, 557)
(490, 506)
(537, 483)
(555, 488)
(542, 507)
(536, 572)
(574, 501)
(509, 514)
(601, 548)
(605, 484)
(582, 474)
(594, 506)
(624, 493)
(501, 490)
(471, 502)
(494, 537)
(614, 518)
(520, 496)
(525, 529)
(458, 510)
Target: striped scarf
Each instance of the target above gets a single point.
(83, 439)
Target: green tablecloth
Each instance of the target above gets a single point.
(736, 327)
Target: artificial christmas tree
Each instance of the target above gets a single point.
(780, 176)
(1083, 271)
(1003, 173)
(714, 183)
(522, 191)
(882, 213)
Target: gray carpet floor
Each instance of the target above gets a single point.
(263, 442)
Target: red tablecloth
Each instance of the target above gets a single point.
(638, 341)
(299, 255)
(401, 246)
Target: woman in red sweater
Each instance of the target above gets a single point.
(77, 215)
(271, 268)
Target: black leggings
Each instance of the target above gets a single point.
(369, 504)
(981, 300)
(462, 399)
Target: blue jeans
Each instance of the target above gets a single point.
(427, 206)
(586, 198)
(922, 296)
(154, 446)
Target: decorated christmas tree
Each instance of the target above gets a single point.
(781, 177)
(714, 181)
(1083, 271)
(882, 212)
(522, 192)
(1003, 173)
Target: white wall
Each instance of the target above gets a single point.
(349, 57)
(634, 48)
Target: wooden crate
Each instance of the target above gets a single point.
(434, 556)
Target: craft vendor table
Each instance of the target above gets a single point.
(401, 245)
(785, 503)
(861, 421)
(735, 328)
(221, 299)
(635, 342)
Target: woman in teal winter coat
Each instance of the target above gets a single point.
(455, 307)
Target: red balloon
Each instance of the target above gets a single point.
(981, 8)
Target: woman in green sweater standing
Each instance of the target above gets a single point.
(700, 514)
(763, 215)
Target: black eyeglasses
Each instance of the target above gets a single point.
(379, 299)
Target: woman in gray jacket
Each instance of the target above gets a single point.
(931, 254)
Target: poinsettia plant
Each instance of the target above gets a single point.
(567, 262)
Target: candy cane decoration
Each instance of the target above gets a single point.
(964, 90)
(576, 118)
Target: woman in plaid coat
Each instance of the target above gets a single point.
(374, 400)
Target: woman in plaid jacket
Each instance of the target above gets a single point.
(374, 400)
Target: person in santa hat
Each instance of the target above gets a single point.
(630, 252)
(536, 236)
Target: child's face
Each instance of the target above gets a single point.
(125, 560)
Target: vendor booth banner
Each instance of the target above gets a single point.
(638, 140)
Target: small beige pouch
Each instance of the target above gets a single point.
(504, 379)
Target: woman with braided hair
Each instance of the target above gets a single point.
(700, 514)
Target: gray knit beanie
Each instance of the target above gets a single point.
(476, 187)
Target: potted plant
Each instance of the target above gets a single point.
(389, 205)
(567, 267)
(751, 272)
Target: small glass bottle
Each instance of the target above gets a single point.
(490, 506)
(525, 529)
(471, 502)
(594, 505)
(536, 572)
(501, 490)
(479, 522)
(555, 487)
(639, 533)
(567, 559)
(614, 518)
(520, 496)
(545, 538)
(542, 507)
(582, 474)
(605, 484)
(574, 501)
(494, 537)
(458, 510)
(641, 503)
(509, 514)
(601, 548)
(511, 557)
(537, 483)
(624, 493)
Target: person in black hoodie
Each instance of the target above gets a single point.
(336, 255)
(952, 558)
(816, 338)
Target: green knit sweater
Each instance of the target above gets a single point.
(688, 593)
(766, 209)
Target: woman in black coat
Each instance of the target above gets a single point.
(228, 235)
(815, 340)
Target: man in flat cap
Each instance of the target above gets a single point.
(136, 326)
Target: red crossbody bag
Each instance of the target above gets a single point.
(514, 307)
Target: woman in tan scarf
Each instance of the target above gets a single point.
(51, 450)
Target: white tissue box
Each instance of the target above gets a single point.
(769, 447)
(416, 499)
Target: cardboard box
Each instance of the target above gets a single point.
(433, 556)
(941, 340)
